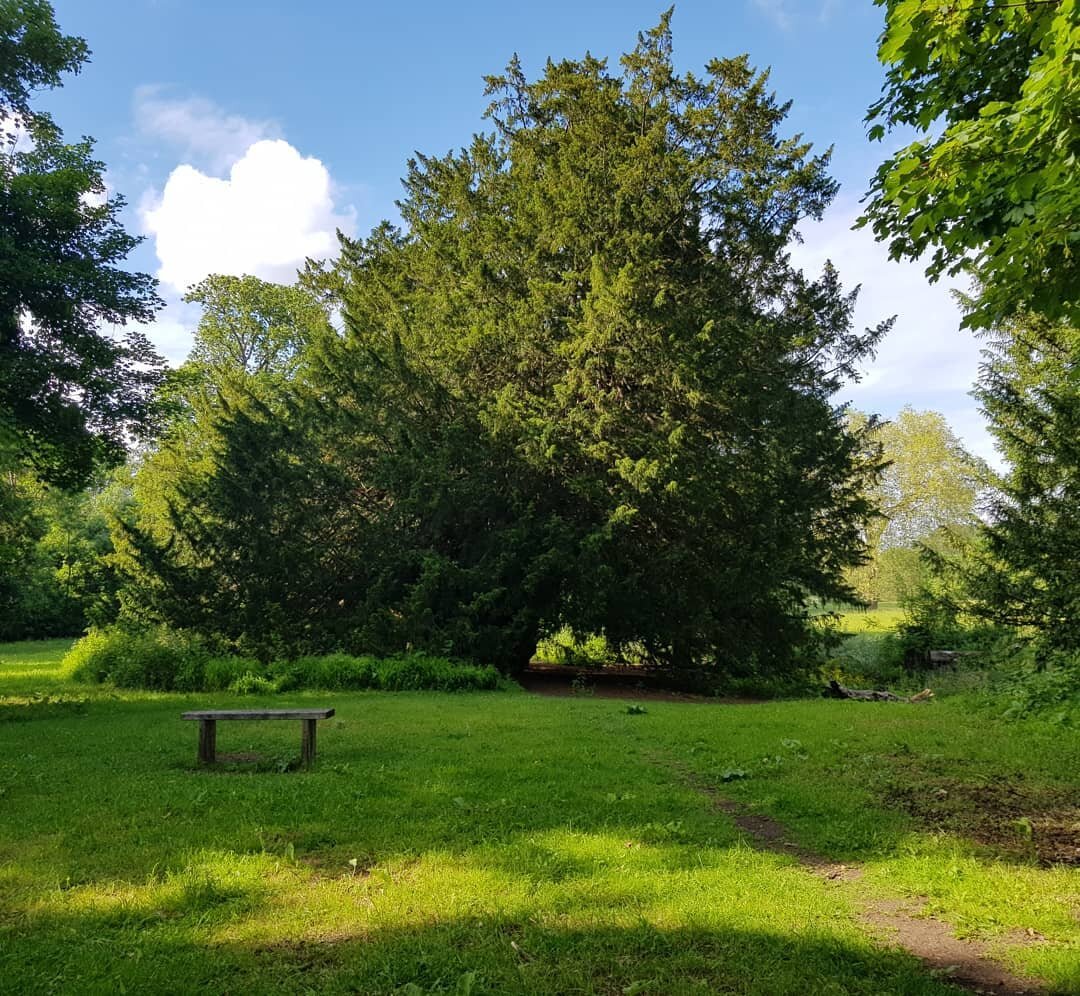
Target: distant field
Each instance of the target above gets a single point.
(506, 843)
(887, 616)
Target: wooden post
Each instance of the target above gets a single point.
(307, 742)
(207, 741)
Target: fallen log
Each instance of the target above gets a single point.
(837, 691)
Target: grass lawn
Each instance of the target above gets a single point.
(506, 843)
(885, 618)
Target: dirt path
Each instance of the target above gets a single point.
(965, 963)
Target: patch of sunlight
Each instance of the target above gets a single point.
(988, 899)
(871, 621)
(981, 896)
(560, 877)
(208, 879)
(399, 893)
(14, 673)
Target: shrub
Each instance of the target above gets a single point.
(165, 660)
(563, 647)
(332, 671)
(157, 659)
(253, 684)
(869, 659)
(1034, 682)
(419, 672)
(413, 672)
(91, 658)
(224, 672)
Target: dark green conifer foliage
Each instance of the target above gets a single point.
(236, 533)
(1030, 390)
(260, 546)
(594, 389)
(582, 384)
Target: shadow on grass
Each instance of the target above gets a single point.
(148, 952)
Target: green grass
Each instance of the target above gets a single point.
(503, 843)
(883, 619)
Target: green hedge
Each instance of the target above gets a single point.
(164, 660)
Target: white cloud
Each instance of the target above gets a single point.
(240, 200)
(198, 127)
(926, 360)
(785, 13)
(172, 330)
(777, 11)
(275, 209)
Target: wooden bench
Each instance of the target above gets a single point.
(208, 720)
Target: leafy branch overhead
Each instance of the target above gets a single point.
(73, 391)
(988, 186)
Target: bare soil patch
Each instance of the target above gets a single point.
(965, 962)
(1028, 822)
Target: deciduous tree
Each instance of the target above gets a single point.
(931, 485)
(988, 187)
(72, 390)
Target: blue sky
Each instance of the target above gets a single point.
(243, 132)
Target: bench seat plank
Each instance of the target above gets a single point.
(259, 714)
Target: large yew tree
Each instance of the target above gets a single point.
(581, 384)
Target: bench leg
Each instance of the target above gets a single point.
(207, 741)
(307, 742)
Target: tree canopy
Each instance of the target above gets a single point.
(988, 187)
(251, 326)
(1030, 389)
(582, 384)
(930, 489)
(72, 392)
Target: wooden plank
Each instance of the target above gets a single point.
(312, 714)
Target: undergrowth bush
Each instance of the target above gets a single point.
(868, 660)
(165, 660)
(900, 659)
(1047, 683)
(221, 673)
(156, 659)
(563, 647)
(250, 683)
(331, 672)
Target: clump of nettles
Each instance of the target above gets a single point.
(164, 660)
